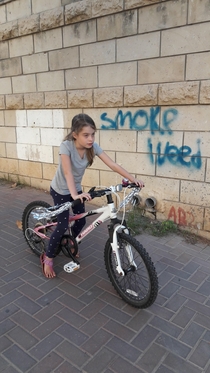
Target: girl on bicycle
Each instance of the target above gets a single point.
(77, 152)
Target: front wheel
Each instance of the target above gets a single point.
(138, 285)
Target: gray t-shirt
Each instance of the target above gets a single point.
(78, 167)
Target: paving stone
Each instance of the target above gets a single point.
(78, 323)
(19, 358)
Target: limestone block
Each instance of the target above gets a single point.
(22, 151)
(39, 6)
(186, 39)
(14, 102)
(51, 18)
(118, 140)
(26, 135)
(5, 86)
(99, 165)
(49, 171)
(58, 119)
(172, 165)
(55, 155)
(68, 114)
(10, 118)
(3, 153)
(35, 63)
(138, 47)
(82, 98)
(142, 95)
(187, 118)
(189, 216)
(31, 169)
(4, 50)
(194, 193)
(138, 3)
(162, 15)
(56, 99)
(18, 9)
(29, 25)
(198, 66)
(48, 40)
(33, 100)
(21, 118)
(91, 177)
(118, 74)
(178, 93)
(97, 114)
(40, 118)
(64, 59)
(117, 25)
(24, 83)
(40, 153)
(208, 171)
(135, 163)
(9, 165)
(2, 102)
(81, 78)
(8, 30)
(11, 150)
(205, 92)
(160, 188)
(199, 11)
(10, 67)
(108, 97)
(77, 12)
(2, 14)
(159, 70)
(21, 46)
(97, 53)
(24, 180)
(202, 139)
(7, 134)
(152, 144)
(40, 183)
(79, 33)
(101, 7)
(50, 81)
(52, 136)
(1, 118)
(207, 220)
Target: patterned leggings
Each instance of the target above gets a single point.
(62, 220)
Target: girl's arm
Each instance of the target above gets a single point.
(67, 170)
(120, 170)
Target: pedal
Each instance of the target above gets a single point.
(71, 267)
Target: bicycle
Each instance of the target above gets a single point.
(129, 266)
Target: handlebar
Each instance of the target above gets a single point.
(58, 209)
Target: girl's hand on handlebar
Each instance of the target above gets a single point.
(140, 183)
(83, 196)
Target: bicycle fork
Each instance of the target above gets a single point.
(115, 250)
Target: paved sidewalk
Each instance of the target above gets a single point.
(77, 323)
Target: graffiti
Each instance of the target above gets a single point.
(175, 155)
(141, 120)
(181, 217)
(148, 120)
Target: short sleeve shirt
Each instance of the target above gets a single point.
(78, 164)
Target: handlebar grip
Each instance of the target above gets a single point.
(77, 202)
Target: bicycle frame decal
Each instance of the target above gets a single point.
(89, 229)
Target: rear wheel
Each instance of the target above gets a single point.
(138, 284)
(30, 222)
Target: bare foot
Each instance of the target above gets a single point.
(47, 266)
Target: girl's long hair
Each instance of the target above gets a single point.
(78, 122)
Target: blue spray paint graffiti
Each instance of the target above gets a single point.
(142, 120)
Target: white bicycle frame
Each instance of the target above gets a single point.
(107, 212)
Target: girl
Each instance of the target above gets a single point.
(77, 152)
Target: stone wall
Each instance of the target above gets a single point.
(140, 68)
